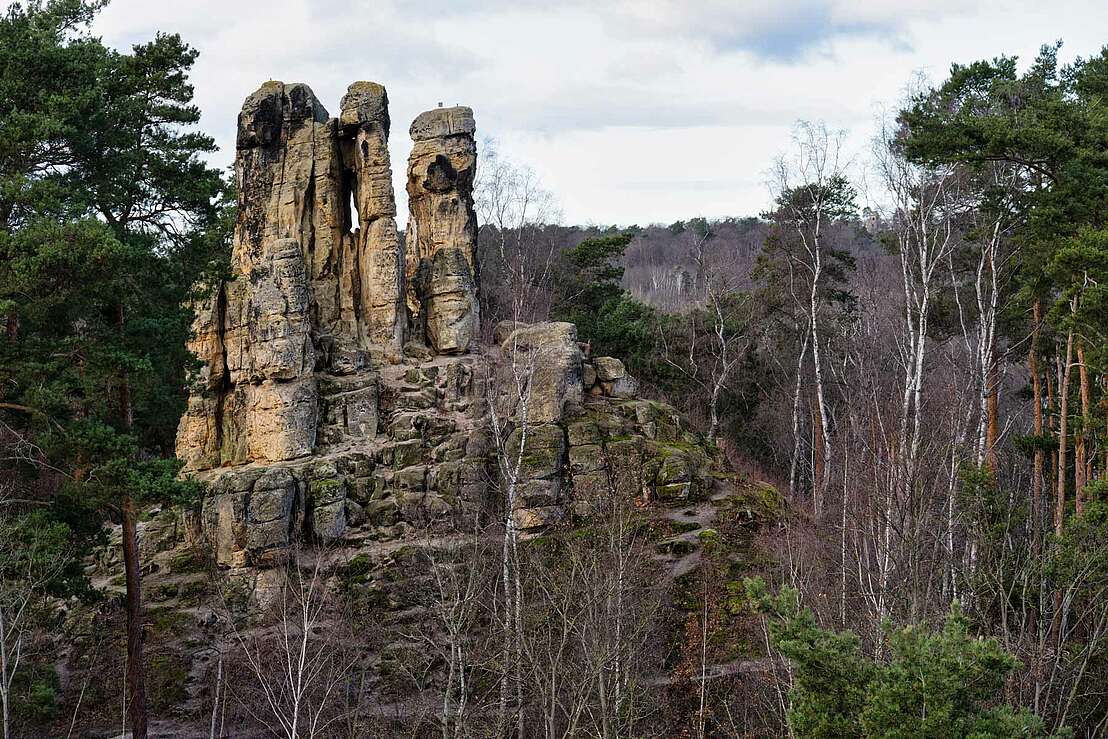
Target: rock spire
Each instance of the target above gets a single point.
(319, 269)
(441, 240)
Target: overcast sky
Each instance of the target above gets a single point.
(631, 112)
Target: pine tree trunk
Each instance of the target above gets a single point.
(1080, 477)
(1063, 430)
(1037, 410)
(1060, 474)
(1052, 404)
(136, 683)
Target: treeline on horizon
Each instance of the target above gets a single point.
(926, 385)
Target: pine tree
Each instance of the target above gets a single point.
(108, 216)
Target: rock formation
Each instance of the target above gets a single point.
(322, 287)
(343, 404)
(442, 229)
(308, 418)
(364, 129)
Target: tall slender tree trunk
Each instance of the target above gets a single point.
(1080, 476)
(5, 682)
(818, 461)
(1063, 431)
(822, 460)
(1060, 473)
(1037, 415)
(136, 682)
(992, 431)
(215, 695)
(793, 467)
(1052, 380)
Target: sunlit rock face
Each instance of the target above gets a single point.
(364, 134)
(318, 278)
(441, 239)
(341, 394)
(305, 414)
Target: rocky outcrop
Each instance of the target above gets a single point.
(255, 398)
(318, 294)
(548, 357)
(323, 418)
(441, 240)
(420, 459)
(608, 376)
(320, 413)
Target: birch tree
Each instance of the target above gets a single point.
(811, 193)
(515, 246)
(713, 350)
(922, 211)
(296, 658)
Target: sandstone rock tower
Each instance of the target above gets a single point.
(442, 229)
(343, 396)
(320, 272)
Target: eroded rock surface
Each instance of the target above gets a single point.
(548, 357)
(318, 286)
(441, 239)
(364, 128)
(342, 397)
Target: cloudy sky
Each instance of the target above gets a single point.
(631, 111)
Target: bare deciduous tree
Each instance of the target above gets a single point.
(811, 193)
(728, 313)
(295, 655)
(31, 557)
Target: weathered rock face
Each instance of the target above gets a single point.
(441, 238)
(364, 127)
(256, 396)
(319, 295)
(306, 416)
(550, 358)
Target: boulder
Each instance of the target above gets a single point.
(248, 513)
(609, 369)
(329, 521)
(544, 448)
(588, 375)
(530, 519)
(549, 356)
(624, 387)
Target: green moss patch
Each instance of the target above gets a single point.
(188, 560)
(166, 676)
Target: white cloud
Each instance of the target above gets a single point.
(631, 110)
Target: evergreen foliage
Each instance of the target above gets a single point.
(926, 684)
